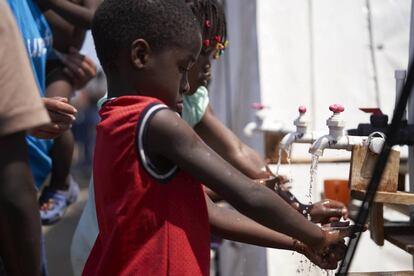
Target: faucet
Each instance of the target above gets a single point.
(262, 121)
(337, 139)
(301, 135)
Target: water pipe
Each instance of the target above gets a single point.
(338, 139)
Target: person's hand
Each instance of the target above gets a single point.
(45, 4)
(61, 115)
(327, 210)
(80, 68)
(325, 259)
(273, 182)
(336, 231)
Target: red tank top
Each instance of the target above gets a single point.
(151, 222)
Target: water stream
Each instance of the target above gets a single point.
(305, 267)
(313, 177)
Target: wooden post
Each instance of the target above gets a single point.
(376, 223)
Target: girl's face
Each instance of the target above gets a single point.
(200, 73)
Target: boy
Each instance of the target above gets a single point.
(152, 214)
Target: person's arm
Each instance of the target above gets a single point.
(223, 141)
(19, 212)
(79, 15)
(78, 67)
(170, 137)
(232, 225)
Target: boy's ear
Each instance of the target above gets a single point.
(140, 51)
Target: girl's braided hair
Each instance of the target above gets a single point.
(210, 15)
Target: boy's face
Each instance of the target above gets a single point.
(200, 73)
(168, 74)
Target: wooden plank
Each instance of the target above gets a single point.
(401, 235)
(362, 167)
(271, 141)
(398, 197)
(376, 223)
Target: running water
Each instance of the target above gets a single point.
(306, 267)
(313, 175)
(279, 160)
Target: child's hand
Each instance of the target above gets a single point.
(327, 210)
(326, 259)
(273, 181)
(335, 232)
(62, 116)
(78, 67)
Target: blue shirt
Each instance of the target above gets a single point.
(37, 36)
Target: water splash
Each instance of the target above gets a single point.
(279, 161)
(313, 176)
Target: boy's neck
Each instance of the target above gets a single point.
(117, 89)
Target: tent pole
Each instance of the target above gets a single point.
(411, 115)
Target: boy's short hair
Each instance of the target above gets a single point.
(162, 23)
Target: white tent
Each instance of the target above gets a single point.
(314, 52)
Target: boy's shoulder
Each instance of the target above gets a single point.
(129, 109)
(128, 102)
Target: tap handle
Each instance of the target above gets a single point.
(258, 106)
(302, 109)
(336, 108)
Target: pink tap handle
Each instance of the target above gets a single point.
(336, 108)
(258, 106)
(302, 109)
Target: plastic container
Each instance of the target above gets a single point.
(337, 189)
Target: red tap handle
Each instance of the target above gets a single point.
(336, 108)
(302, 109)
(374, 111)
(258, 106)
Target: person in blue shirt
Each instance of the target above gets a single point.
(69, 21)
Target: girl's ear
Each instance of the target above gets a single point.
(140, 51)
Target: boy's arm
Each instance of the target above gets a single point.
(170, 137)
(231, 225)
(223, 141)
(79, 15)
(19, 212)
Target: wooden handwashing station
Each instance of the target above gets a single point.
(390, 193)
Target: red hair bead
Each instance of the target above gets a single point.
(206, 43)
(207, 24)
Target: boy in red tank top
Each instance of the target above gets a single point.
(149, 164)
